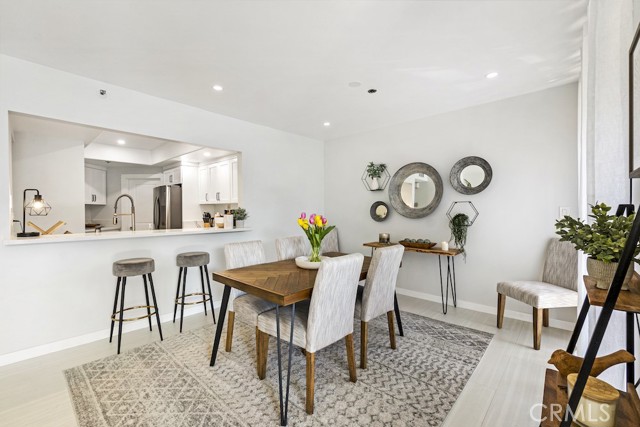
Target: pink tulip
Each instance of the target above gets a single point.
(303, 215)
(312, 218)
(324, 220)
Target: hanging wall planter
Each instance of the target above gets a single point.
(461, 216)
(375, 176)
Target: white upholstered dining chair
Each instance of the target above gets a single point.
(292, 247)
(377, 296)
(247, 306)
(325, 319)
(330, 242)
(558, 288)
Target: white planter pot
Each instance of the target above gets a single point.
(375, 185)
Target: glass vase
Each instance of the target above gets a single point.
(315, 254)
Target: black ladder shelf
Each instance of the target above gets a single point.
(628, 413)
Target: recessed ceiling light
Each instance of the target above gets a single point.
(122, 141)
(492, 75)
(354, 84)
(327, 124)
(206, 154)
(217, 88)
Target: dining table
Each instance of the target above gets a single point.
(282, 283)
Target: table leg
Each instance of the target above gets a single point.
(631, 330)
(223, 313)
(284, 403)
(579, 324)
(442, 293)
(453, 279)
(396, 308)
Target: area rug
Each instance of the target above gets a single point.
(171, 384)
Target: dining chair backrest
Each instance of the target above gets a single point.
(380, 286)
(292, 247)
(333, 301)
(330, 242)
(242, 254)
(561, 265)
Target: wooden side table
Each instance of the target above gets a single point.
(451, 271)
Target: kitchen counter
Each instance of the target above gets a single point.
(111, 235)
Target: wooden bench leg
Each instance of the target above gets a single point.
(537, 327)
(545, 317)
(311, 381)
(392, 330)
(502, 299)
(262, 345)
(231, 318)
(364, 335)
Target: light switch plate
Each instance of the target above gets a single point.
(564, 211)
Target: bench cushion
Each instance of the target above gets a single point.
(247, 308)
(539, 294)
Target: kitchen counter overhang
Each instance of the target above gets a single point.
(112, 235)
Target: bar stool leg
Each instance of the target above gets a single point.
(184, 285)
(204, 296)
(124, 284)
(155, 305)
(146, 294)
(175, 302)
(115, 306)
(206, 273)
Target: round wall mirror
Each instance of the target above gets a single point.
(470, 175)
(379, 211)
(415, 190)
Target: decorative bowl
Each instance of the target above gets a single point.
(303, 262)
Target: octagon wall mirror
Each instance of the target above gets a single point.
(470, 175)
(415, 190)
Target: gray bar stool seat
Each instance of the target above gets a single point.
(184, 261)
(128, 268)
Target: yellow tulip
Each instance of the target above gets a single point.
(305, 226)
(318, 220)
(300, 222)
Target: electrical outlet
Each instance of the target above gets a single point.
(564, 211)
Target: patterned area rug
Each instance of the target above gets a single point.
(171, 384)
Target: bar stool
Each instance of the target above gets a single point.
(184, 261)
(133, 267)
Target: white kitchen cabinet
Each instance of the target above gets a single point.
(218, 182)
(172, 176)
(95, 185)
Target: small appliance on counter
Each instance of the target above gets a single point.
(167, 207)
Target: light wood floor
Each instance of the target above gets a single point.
(505, 385)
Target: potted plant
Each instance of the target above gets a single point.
(375, 171)
(239, 216)
(602, 240)
(459, 224)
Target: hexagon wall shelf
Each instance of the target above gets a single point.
(382, 181)
(464, 207)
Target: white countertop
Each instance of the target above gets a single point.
(110, 235)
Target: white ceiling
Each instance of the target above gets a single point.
(287, 64)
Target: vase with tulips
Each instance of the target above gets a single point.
(316, 228)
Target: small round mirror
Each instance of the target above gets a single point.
(379, 211)
(415, 190)
(470, 175)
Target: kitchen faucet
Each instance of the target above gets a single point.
(132, 214)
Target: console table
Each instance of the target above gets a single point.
(451, 268)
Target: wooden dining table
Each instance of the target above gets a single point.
(282, 283)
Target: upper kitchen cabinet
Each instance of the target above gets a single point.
(172, 176)
(95, 185)
(218, 182)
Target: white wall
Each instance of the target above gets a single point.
(530, 142)
(55, 167)
(73, 293)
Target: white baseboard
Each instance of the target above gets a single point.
(518, 315)
(29, 353)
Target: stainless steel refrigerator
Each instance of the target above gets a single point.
(167, 207)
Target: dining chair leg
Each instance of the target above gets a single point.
(537, 327)
(311, 381)
(392, 330)
(502, 299)
(232, 318)
(351, 358)
(364, 336)
(545, 317)
(263, 353)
